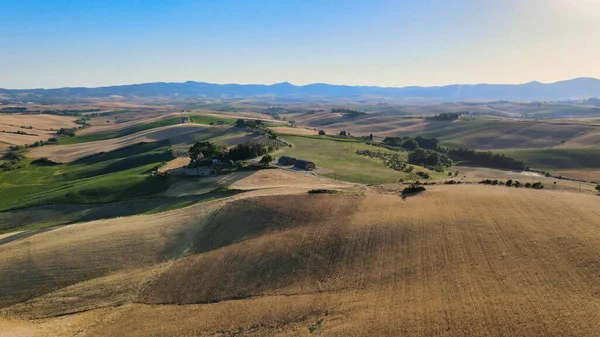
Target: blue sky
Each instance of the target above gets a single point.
(378, 42)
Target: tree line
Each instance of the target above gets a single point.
(487, 159)
(202, 153)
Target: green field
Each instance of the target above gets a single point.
(558, 158)
(339, 160)
(114, 176)
(482, 134)
(38, 217)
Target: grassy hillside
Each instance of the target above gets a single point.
(449, 262)
(107, 177)
(559, 158)
(338, 159)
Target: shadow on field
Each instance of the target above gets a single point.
(24, 235)
(412, 194)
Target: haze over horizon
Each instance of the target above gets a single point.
(382, 43)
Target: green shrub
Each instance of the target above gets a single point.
(322, 191)
(538, 185)
(413, 189)
(509, 183)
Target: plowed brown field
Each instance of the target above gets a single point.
(461, 260)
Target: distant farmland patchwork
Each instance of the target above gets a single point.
(100, 236)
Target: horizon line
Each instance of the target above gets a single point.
(303, 85)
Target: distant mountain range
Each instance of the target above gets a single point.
(579, 88)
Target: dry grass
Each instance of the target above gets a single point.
(295, 131)
(174, 164)
(476, 174)
(283, 180)
(125, 120)
(452, 261)
(584, 174)
(71, 152)
(43, 126)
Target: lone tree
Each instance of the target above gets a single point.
(321, 132)
(371, 137)
(240, 123)
(265, 160)
(204, 150)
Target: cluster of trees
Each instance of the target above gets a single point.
(257, 125)
(391, 160)
(13, 158)
(510, 183)
(447, 116)
(67, 132)
(19, 133)
(266, 160)
(13, 109)
(201, 150)
(411, 144)
(429, 158)
(247, 150)
(487, 159)
(415, 188)
(209, 150)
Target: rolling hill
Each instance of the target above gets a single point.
(448, 262)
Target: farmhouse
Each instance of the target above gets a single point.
(286, 161)
(305, 165)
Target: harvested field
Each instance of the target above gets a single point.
(588, 175)
(284, 179)
(71, 152)
(43, 127)
(253, 180)
(125, 120)
(295, 131)
(451, 261)
(482, 134)
(174, 164)
(476, 174)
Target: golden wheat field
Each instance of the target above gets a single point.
(461, 260)
(42, 127)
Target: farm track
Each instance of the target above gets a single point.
(452, 261)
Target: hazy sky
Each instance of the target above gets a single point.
(372, 42)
